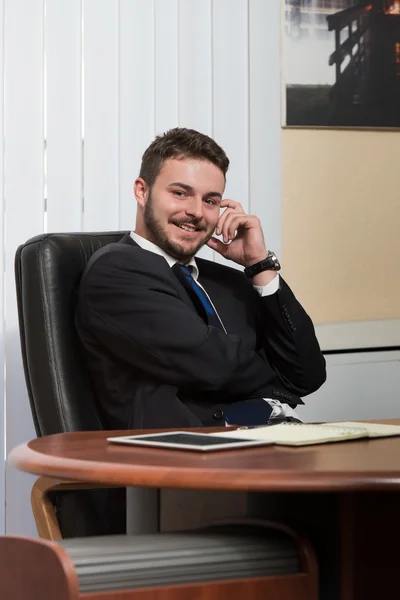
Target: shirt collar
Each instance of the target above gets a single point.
(147, 245)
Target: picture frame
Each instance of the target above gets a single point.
(341, 63)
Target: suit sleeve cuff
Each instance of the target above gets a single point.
(271, 288)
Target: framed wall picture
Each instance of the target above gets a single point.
(341, 63)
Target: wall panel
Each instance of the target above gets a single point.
(341, 207)
(360, 386)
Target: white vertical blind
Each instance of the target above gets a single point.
(264, 118)
(136, 98)
(24, 193)
(101, 76)
(166, 69)
(195, 65)
(2, 405)
(195, 79)
(63, 27)
(118, 73)
(230, 97)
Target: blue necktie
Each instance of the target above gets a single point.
(197, 295)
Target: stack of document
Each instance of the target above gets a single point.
(304, 434)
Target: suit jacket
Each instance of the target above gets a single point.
(155, 363)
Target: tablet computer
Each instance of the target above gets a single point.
(187, 440)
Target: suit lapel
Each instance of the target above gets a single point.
(211, 286)
(232, 299)
(166, 270)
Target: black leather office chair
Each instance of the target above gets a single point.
(48, 269)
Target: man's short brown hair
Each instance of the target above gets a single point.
(180, 143)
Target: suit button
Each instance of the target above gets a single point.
(284, 307)
(276, 393)
(218, 414)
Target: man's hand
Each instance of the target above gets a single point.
(244, 233)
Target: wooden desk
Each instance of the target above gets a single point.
(366, 474)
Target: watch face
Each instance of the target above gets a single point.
(276, 264)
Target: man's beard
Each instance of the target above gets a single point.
(160, 237)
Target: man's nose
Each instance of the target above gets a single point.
(194, 207)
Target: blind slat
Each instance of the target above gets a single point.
(195, 71)
(230, 97)
(195, 65)
(63, 131)
(101, 76)
(166, 64)
(264, 117)
(136, 98)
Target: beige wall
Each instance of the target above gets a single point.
(341, 222)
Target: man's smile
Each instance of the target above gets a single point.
(189, 229)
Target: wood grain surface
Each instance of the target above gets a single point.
(32, 569)
(87, 456)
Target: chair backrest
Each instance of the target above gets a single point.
(48, 269)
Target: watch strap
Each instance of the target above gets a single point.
(270, 263)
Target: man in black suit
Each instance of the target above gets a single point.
(174, 341)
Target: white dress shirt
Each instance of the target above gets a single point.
(278, 409)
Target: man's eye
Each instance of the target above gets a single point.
(209, 201)
(179, 193)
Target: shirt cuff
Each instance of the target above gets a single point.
(271, 288)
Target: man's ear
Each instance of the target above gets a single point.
(141, 191)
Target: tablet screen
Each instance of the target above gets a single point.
(187, 441)
(196, 439)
